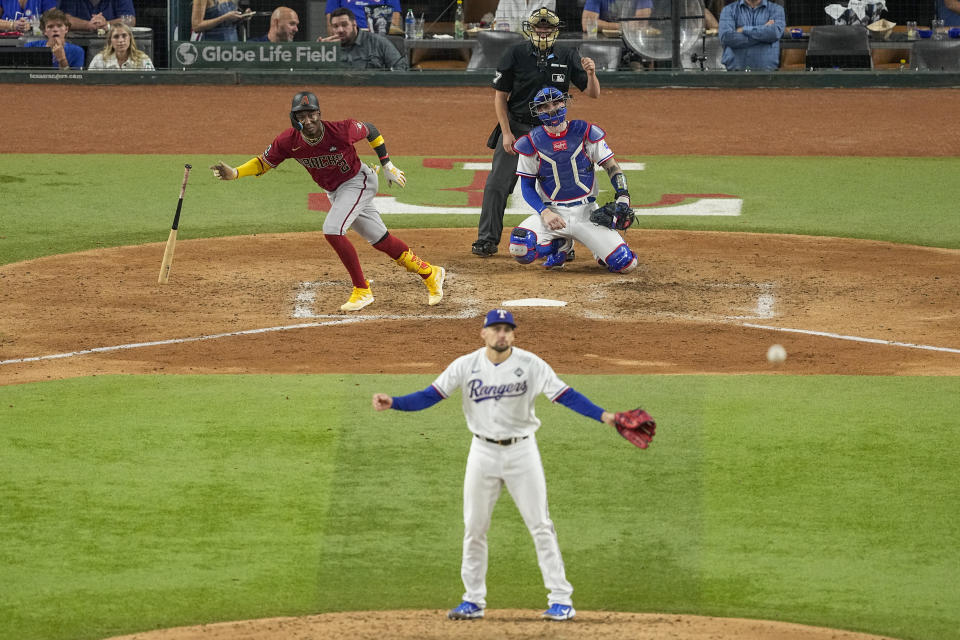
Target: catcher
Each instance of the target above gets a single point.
(556, 169)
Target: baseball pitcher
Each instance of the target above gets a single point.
(499, 384)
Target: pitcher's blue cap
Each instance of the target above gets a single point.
(499, 316)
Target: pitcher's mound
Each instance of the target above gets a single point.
(513, 624)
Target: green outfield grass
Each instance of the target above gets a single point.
(139, 502)
(135, 502)
(63, 203)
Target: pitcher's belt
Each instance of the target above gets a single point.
(502, 443)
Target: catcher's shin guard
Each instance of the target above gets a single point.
(523, 245)
(409, 261)
(621, 260)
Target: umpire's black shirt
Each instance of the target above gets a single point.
(521, 74)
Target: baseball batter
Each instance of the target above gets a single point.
(556, 169)
(325, 149)
(499, 384)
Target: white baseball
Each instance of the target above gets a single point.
(776, 354)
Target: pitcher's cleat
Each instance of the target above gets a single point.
(559, 612)
(358, 299)
(465, 611)
(434, 284)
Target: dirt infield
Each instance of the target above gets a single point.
(512, 624)
(699, 303)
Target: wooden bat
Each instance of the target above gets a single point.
(172, 238)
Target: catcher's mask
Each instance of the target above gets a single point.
(542, 18)
(303, 101)
(555, 102)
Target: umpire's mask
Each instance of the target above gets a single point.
(535, 27)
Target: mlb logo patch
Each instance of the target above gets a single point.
(558, 77)
(559, 145)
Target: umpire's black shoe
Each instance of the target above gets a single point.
(571, 255)
(484, 248)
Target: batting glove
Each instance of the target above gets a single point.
(223, 171)
(394, 175)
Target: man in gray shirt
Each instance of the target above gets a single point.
(363, 49)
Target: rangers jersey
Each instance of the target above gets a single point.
(563, 163)
(498, 399)
(331, 160)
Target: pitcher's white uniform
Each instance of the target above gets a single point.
(498, 402)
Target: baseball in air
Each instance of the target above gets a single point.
(776, 354)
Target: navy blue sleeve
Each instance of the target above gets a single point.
(573, 399)
(417, 400)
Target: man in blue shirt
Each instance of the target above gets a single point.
(55, 25)
(90, 15)
(949, 12)
(750, 32)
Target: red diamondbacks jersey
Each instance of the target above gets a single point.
(331, 161)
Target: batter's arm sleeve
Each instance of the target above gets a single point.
(377, 143)
(253, 167)
(576, 401)
(417, 400)
(528, 187)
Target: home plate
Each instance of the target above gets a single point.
(534, 302)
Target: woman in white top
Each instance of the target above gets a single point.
(121, 52)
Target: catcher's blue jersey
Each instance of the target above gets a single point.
(564, 162)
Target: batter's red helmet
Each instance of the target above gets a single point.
(303, 101)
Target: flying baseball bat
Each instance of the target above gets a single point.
(172, 238)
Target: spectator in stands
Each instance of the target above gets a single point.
(949, 12)
(363, 9)
(607, 13)
(514, 12)
(121, 52)
(750, 32)
(713, 9)
(90, 15)
(284, 25)
(363, 49)
(215, 20)
(55, 25)
(15, 15)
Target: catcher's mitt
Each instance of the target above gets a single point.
(613, 215)
(636, 426)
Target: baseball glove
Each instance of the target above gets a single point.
(636, 426)
(613, 215)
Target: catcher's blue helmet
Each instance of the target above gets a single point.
(546, 96)
(303, 101)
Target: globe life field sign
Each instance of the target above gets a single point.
(255, 55)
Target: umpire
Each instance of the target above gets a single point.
(524, 69)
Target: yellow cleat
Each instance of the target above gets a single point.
(434, 284)
(358, 299)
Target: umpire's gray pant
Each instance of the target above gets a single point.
(500, 182)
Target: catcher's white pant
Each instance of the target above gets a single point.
(351, 207)
(489, 467)
(600, 240)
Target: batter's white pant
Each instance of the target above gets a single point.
(600, 240)
(351, 207)
(518, 466)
